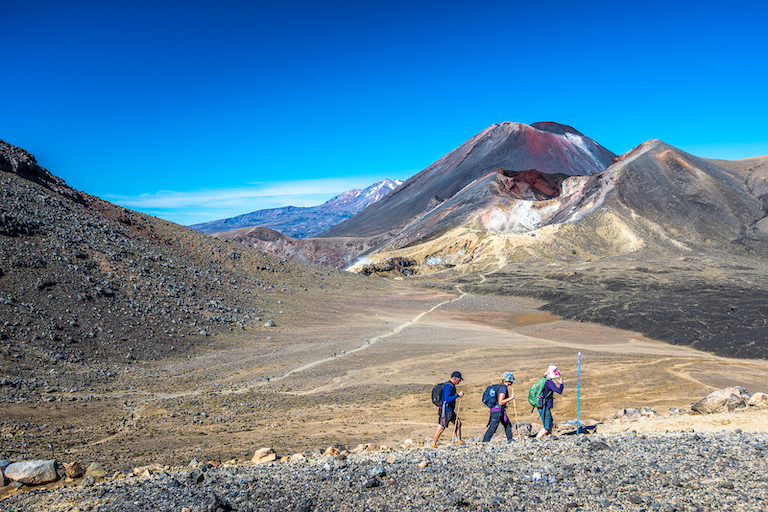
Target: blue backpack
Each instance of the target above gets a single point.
(490, 395)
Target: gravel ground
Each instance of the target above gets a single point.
(673, 471)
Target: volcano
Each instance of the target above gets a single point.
(547, 148)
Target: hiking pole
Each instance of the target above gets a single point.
(456, 426)
(578, 399)
(517, 423)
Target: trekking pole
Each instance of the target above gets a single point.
(456, 426)
(517, 423)
(578, 399)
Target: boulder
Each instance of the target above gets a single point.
(96, 470)
(264, 455)
(758, 400)
(32, 472)
(723, 400)
(75, 470)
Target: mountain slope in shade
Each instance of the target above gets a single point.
(305, 222)
(549, 148)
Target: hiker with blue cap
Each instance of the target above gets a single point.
(497, 397)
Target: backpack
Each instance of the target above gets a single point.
(490, 396)
(437, 394)
(537, 393)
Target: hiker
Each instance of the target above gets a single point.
(499, 411)
(446, 413)
(550, 388)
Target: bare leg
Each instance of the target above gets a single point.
(439, 431)
(458, 431)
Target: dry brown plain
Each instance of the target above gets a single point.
(284, 388)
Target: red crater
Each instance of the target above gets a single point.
(530, 184)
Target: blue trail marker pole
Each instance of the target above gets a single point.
(578, 399)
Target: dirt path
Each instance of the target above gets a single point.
(378, 391)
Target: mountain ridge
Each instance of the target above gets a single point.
(511, 146)
(305, 222)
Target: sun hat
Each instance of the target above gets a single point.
(552, 372)
(508, 377)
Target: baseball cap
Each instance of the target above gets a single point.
(457, 374)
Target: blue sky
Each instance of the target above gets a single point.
(194, 111)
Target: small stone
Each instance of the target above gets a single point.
(193, 477)
(264, 455)
(378, 473)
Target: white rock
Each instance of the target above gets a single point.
(264, 455)
(758, 400)
(33, 472)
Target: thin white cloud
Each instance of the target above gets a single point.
(197, 206)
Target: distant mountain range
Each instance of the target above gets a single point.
(305, 222)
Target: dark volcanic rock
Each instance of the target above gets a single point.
(675, 471)
(83, 281)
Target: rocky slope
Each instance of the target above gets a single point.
(83, 281)
(298, 222)
(673, 472)
(328, 252)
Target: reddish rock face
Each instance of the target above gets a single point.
(530, 184)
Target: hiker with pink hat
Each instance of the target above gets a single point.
(550, 388)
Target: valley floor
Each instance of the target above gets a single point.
(362, 373)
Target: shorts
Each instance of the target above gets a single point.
(444, 420)
(546, 418)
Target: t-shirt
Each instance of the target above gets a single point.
(502, 389)
(449, 395)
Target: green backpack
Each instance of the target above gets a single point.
(537, 392)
